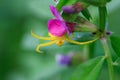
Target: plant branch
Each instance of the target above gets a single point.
(102, 16)
(109, 59)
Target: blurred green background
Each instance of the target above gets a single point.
(18, 59)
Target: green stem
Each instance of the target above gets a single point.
(102, 16)
(86, 51)
(91, 50)
(109, 59)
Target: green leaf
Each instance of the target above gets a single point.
(69, 17)
(65, 2)
(95, 2)
(108, 0)
(86, 13)
(89, 70)
(83, 36)
(115, 41)
(117, 62)
(70, 2)
(60, 4)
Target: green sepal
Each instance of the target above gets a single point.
(86, 13)
(84, 25)
(65, 2)
(96, 2)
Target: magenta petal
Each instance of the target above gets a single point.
(56, 27)
(55, 13)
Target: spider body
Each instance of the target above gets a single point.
(58, 40)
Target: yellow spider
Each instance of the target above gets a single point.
(57, 40)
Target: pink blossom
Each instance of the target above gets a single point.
(57, 26)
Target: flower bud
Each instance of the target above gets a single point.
(108, 32)
(63, 59)
(70, 59)
(84, 26)
(68, 9)
(72, 9)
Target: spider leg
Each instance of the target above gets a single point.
(39, 37)
(81, 43)
(45, 44)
